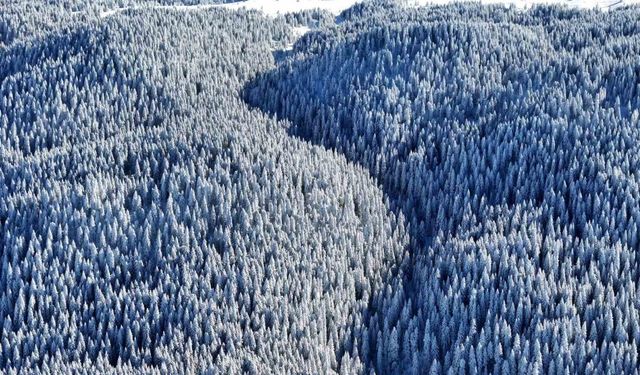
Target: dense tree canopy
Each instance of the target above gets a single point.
(446, 189)
(510, 142)
(150, 221)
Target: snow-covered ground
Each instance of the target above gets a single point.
(297, 33)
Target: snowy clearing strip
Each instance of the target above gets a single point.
(297, 32)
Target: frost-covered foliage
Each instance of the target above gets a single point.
(150, 221)
(447, 190)
(27, 19)
(316, 18)
(510, 141)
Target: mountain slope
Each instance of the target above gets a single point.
(508, 140)
(151, 222)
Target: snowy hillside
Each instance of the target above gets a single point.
(400, 189)
(269, 7)
(275, 7)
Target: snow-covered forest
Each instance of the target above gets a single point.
(400, 190)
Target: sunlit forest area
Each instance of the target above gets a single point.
(187, 188)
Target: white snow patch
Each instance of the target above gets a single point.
(109, 13)
(300, 30)
(297, 33)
